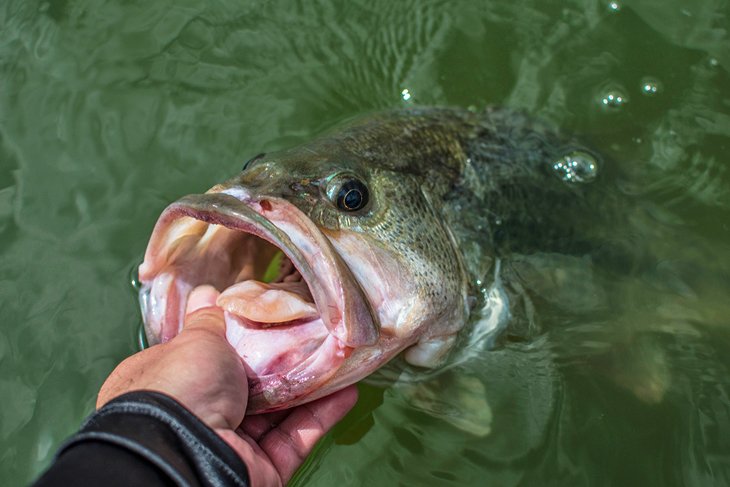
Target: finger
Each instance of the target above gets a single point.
(210, 319)
(261, 472)
(289, 444)
(201, 312)
(258, 425)
(201, 297)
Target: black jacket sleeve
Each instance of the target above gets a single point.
(145, 438)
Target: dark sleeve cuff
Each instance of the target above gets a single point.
(165, 437)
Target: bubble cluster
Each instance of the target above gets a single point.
(576, 166)
(614, 98)
(650, 86)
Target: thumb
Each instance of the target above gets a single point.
(201, 311)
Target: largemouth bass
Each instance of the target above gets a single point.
(381, 236)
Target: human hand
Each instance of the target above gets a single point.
(201, 370)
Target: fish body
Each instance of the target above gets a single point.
(389, 226)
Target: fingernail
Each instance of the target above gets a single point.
(201, 297)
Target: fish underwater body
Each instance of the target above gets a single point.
(385, 236)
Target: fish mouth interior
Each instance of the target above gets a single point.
(276, 326)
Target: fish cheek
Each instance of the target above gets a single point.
(430, 251)
(405, 260)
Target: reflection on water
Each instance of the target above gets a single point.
(614, 367)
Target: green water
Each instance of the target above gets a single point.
(111, 110)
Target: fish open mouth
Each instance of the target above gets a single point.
(293, 310)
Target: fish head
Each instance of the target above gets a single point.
(369, 269)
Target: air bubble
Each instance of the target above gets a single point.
(614, 6)
(650, 86)
(405, 94)
(613, 98)
(576, 167)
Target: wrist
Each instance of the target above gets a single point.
(165, 435)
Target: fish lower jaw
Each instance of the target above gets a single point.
(306, 381)
(284, 364)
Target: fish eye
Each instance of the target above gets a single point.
(352, 195)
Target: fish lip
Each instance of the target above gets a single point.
(339, 300)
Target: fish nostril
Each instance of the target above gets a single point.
(255, 158)
(254, 175)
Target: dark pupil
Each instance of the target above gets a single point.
(352, 196)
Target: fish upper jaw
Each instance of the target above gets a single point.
(210, 239)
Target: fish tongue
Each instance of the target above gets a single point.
(279, 302)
